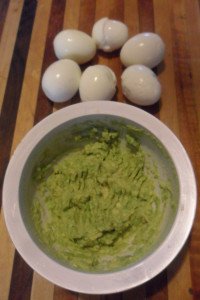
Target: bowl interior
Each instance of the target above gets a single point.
(61, 139)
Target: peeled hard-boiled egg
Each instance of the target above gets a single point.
(144, 48)
(74, 44)
(109, 34)
(60, 81)
(140, 85)
(97, 82)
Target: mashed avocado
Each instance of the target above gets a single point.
(99, 207)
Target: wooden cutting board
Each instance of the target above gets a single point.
(27, 29)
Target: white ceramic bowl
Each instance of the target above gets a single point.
(17, 221)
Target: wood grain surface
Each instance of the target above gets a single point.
(27, 30)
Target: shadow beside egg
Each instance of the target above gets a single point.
(153, 109)
(159, 68)
(109, 55)
(75, 99)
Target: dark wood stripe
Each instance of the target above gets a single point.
(21, 282)
(3, 11)
(61, 294)
(87, 15)
(188, 124)
(87, 8)
(156, 288)
(137, 293)
(44, 106)
(146, 24)
(113, 297)
(146, 15)
(117, 10)
(14, 85)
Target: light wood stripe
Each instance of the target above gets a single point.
(6, 259)
(72, 13)
(28, 99)
(179, 277)
(41, 288)
(71, 21)
(7, 42)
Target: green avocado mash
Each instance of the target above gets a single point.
(100, 206)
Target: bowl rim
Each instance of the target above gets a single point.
(101, 283)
